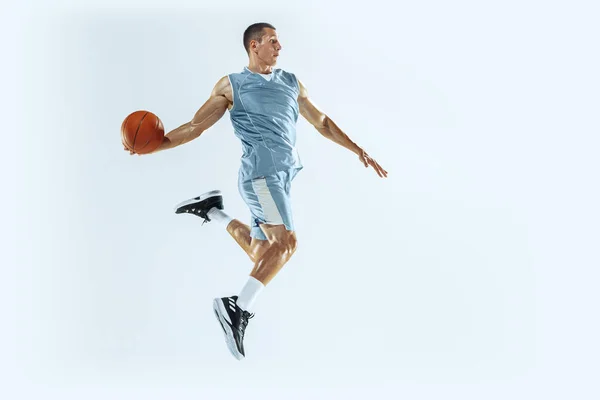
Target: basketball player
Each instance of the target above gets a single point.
(263, 104)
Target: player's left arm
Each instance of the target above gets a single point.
(331, 131)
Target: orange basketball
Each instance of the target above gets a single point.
(142, 132)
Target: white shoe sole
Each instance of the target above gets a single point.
(203, 196)
(220, 313)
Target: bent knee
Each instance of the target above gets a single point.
(287, 243)
(281, 238)
(290, 243)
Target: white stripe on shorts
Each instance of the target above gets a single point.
(266, 201)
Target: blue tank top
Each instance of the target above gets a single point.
(264, 115)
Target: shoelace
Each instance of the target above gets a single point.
(199, 212)
(244, 321)
(205, 216)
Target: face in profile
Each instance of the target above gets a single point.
(269, 47)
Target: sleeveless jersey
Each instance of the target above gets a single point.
(264, 115)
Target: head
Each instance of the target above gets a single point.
(261, 42)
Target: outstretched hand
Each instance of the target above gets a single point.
(367, 160)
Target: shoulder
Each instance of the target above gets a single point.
(222, 84)
(285, 73)
(290, 77)
(223, 88)
(302, 92)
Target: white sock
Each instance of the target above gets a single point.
(249, 293)
(219, 216)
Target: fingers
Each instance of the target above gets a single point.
(380, 171)
(131, 152)
(367, 160)
(377, 169)
(383, 171)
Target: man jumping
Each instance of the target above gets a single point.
(263, 104)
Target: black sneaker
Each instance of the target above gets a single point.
(201, 205)
(233, 320)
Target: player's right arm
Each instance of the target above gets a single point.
(210, 112)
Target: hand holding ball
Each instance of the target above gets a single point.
(142, 132)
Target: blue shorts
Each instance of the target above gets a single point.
(268, 198)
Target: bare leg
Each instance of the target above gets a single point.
(240, 232)
(253, 247)
(282, 247)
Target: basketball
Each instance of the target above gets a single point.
(142, 132)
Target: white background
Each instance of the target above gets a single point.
(470, 273)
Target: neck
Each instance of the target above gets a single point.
(259, 67)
